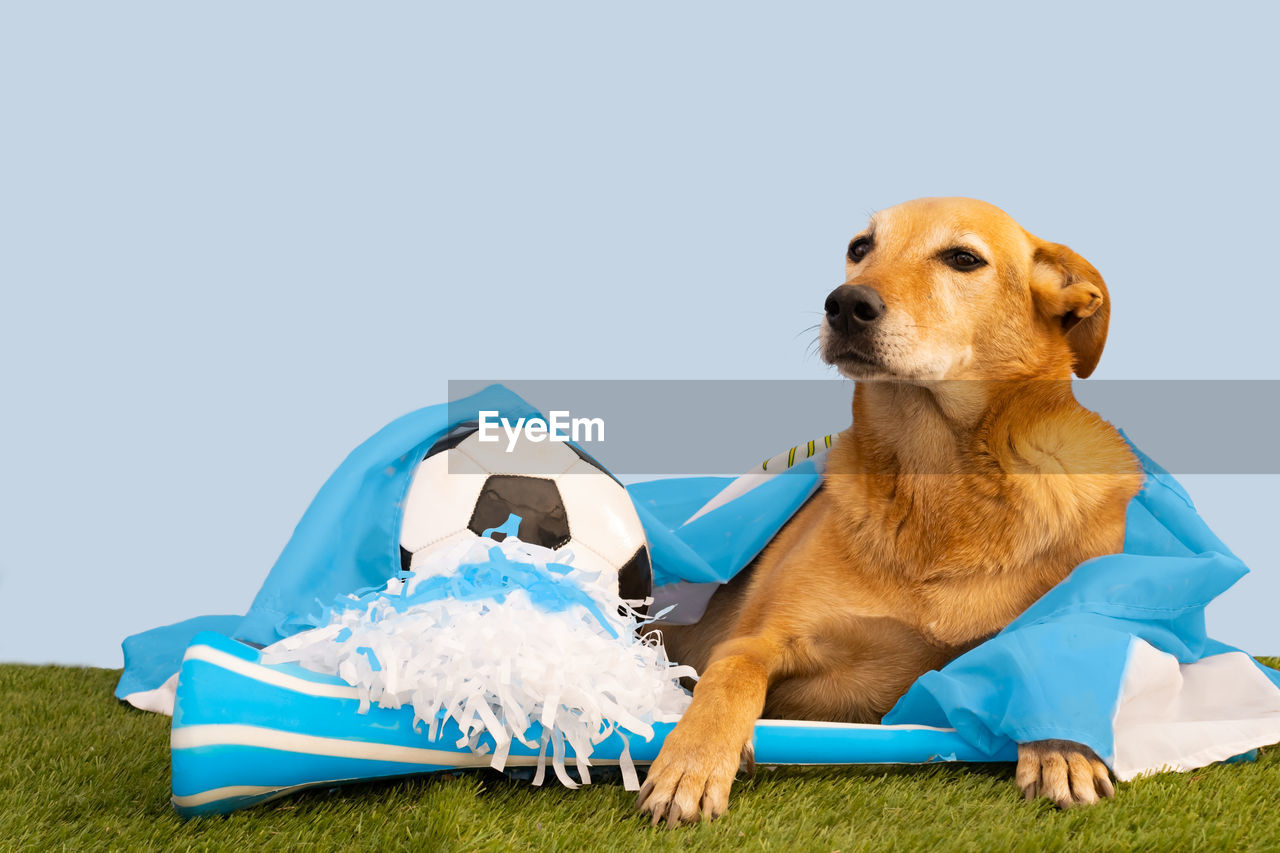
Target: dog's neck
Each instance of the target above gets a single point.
(982, 516)
(939, 427)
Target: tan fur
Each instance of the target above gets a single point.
(970, 483)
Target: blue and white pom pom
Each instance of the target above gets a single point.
(499, 635)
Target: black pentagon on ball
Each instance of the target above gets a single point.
(543, 520)
(635, 578)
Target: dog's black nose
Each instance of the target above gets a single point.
(853, 307)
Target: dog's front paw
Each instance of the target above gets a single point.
(1064, 771)
(690, 778)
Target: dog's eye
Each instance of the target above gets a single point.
(859, 249)
(962, 260)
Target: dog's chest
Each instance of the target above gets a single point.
(926, 527)
(957, 560)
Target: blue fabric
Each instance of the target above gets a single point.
(1054, 672)
(349, 538)
(152, 656)
(715, 546)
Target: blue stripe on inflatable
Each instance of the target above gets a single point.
(787, 742)
(273, 770)
(244, 733)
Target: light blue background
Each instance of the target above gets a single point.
(236, 239)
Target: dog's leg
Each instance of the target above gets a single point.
(1064, 771)
(694, 770)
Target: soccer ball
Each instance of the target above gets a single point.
(463, 487)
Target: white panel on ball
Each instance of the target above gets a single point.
(528, 458)
(600, 512)
(440, 500)
(422, 555)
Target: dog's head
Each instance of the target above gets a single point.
(953, 288)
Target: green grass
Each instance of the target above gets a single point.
(82, 772)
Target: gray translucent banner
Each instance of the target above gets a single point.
(640, 428)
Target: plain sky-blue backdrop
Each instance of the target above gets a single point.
(237, 238)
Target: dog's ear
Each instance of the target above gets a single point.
(1072, 293)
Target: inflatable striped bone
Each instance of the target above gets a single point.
(244, 733)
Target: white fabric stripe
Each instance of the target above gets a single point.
(158, 700)
(219, 734)
(736, 489)
(266, 675)
(746, 482)
(1173, 716)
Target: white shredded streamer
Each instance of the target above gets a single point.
(496, 666)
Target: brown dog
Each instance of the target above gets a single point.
(970, 483)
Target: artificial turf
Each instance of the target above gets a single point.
(80, 771)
